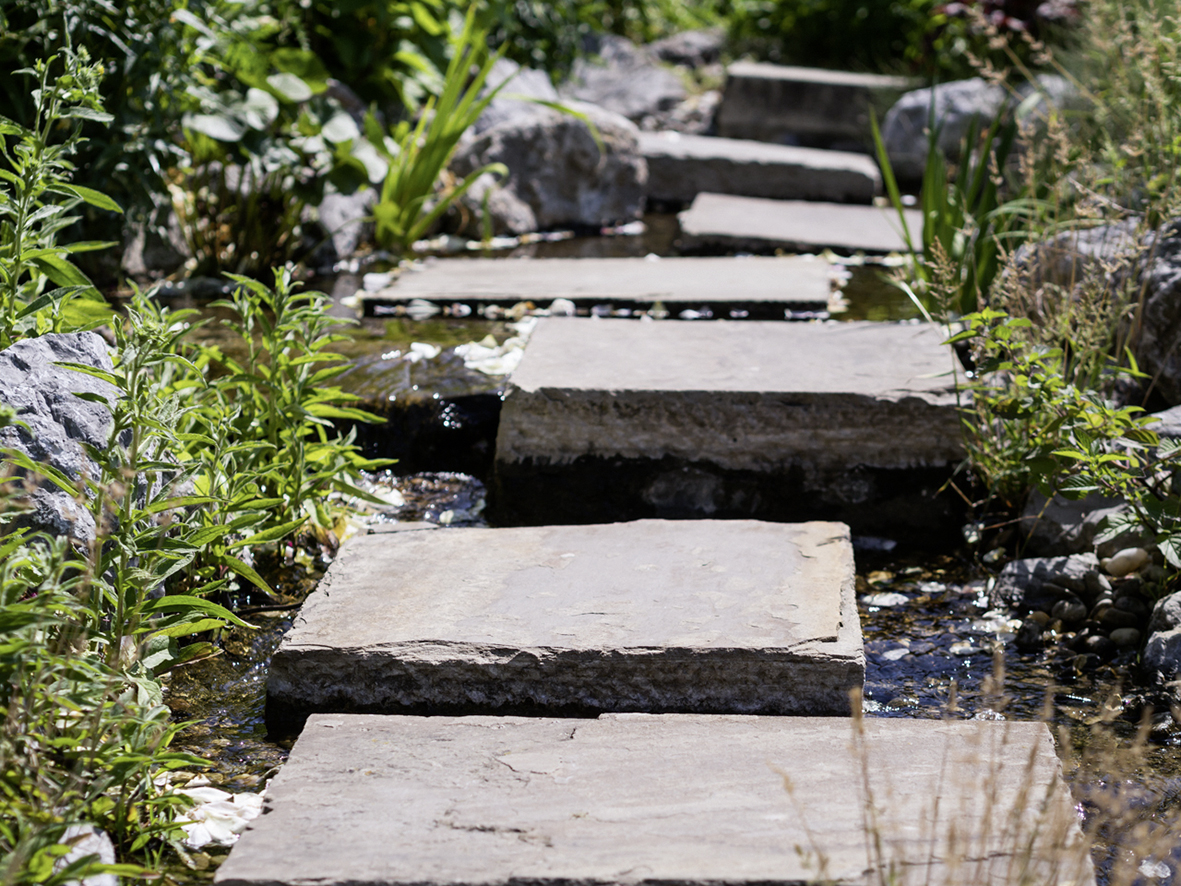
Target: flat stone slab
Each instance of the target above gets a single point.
(701, 616)
(614, 419)
(797, 283)
(777, 103)
(752, 224)
(682, 166)
(677, 799)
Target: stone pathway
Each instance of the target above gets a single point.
(664, 630)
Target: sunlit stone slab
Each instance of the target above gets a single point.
(786, 421)
(778, 103)
(753, 224)
(675, 799)
(692, 616)
(796, 283)
(682, 166)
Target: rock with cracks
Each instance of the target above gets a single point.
(58, 422)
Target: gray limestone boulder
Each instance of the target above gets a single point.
(1166, 614)
(1070, 258)
(58, 421)
(1162, 654)
(690, 49)
(957, 105)
(344, 221)
(558, 177)
(624, 78)
(513, 103)
(1159, 348)
(1038, 582)
(1059, 527)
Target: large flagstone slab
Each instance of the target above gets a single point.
(787, 421)
(721, 222)
(682, 166)
(693, 616)
(673, 799)
(754, 284)
(780, 103)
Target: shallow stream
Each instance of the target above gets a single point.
(933, 647)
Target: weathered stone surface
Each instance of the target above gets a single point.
(513, 100)
(633, 798)
(1070, 258)
(154, 247)
(751, 224)
(690, 49)
(625, 79)
(1166, 614)
(1039, 582)
(343, 220)
(782, 421)
(682, 166)
(1162, 654)
(59, 422)
(795, 283)
(1058, 526)
(957, 105)
(750, 395)
(691, 616)
(773, 103)
(1159, 352)
(557, 174)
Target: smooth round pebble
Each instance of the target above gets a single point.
(1042, 618)
(1070, 611)
(1125, 562)
(1125, 638)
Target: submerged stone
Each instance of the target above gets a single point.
(653, 616)
(687, 799)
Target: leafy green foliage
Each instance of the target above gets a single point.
(965, 216)
(41, 290)
(415, 169)
(276, 459)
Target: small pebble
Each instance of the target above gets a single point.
(1112, 617)
(1125, 562)
(885, 599)
(1125, 638)
(1099, 645)
(1029, 636)
(1042, 618)
(1069, 611)
(1096, 584)
(1134, 605)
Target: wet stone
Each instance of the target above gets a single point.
(651, 616)
(635, 798)
(682, 166)
(753, 284)
(782, 421)
(753, 224)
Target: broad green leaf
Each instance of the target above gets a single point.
(289, 87)
(222, 128)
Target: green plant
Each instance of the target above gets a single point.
(41, 290)
(403, 213)
(282, 460)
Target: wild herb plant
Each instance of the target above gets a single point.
(278, 408)
(41, 290)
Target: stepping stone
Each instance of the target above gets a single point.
(654, 616)
(751, 224)
(775, 103)
(765, 286)
(682, 166)
(684, 799)
(614, 419)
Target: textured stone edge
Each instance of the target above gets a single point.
(814, 677)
